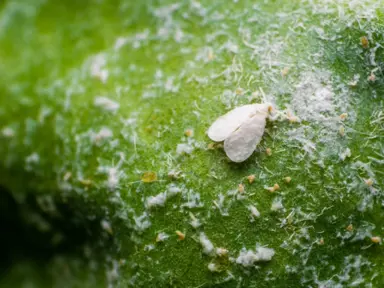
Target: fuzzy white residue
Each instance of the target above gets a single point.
(97, 68)
(345, 154)
(184, 148)
(158, 200)
(103, 134)
(220, 204)
(319, 99)
(313, 98)
(169, 85)
(248, 258)
(162, 237)
(8, 132)
(33, 158)
(142, 222)
(230, 47)
(195, 223)
(229, 98)
(352, 273)
(106, 225)
(113, 178)
(31, 161)
(277, 204)
(112, 274)
(193, 200)
(149, 247)
(254, 212)
(221, 251)
(161, 198)
(106, 104)
(114, 173)
(212, 267)
(120, 42)
(207, 245)
(166, 12)
(173, 190)
(359, 233)
(204, 54)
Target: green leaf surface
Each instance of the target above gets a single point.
(105, 105)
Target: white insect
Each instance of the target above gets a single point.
(241, 130)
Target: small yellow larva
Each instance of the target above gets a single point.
(211, 55)
(86, 182)
(149, 177)
(251, 178)
(285, 71)
(221, 252)
(343, 116)
(376, 239)
(369, 182)
(274, 188)
(239, 91)
(240, 188)
(181, 235)
(372, 77)
(67, 176)
(188, 132)
(364, 42)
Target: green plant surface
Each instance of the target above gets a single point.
(170, 68)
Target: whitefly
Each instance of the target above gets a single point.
(241, 129)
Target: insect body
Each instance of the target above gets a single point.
(241, 130)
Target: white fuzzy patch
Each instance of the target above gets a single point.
(248, 258)
(193, 200)
(120, 42)
(113, 178)
(31, 161)
(207, 245)
(158, 200)
(277, 204)
(97, 68)
(254, 212)
(314, 96)
(195, 223)
(8, 132)
(106, 104)
(162, 237)
(184, 149)
(106, 225)
(142, 222)
(212, 267)
(100, 136)
(173, 190)
(345, 154)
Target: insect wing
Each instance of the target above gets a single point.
(242, 142)
(226, 124)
